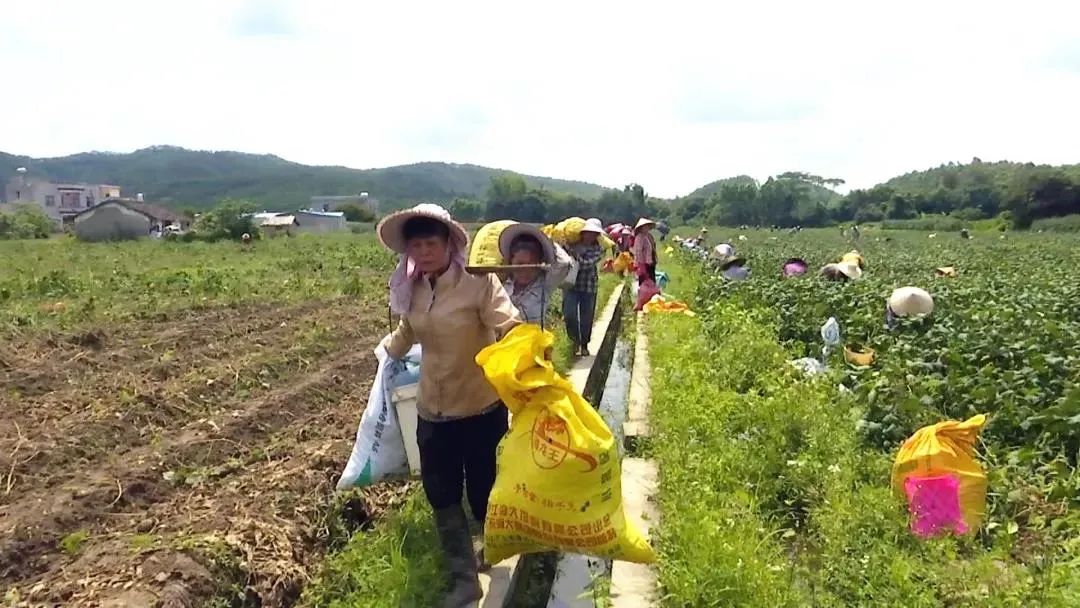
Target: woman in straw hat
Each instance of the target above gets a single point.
(579, 301)
(530, 288)
(453, 315)
(645, 250)
(841, 271)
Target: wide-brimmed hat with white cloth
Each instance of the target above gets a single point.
(513, 231)
(911, 302)
(593, 225)
(391, 229)
(643, 222)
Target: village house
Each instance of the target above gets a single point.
(122, 219)
(279, 225)
(61, 201)
(320, 221)
(333, 203)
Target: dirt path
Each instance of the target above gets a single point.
(135, 502)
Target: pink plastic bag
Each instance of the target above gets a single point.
(934, 503)
(645, 292)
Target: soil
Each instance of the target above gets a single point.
(185, 461)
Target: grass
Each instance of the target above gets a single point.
(73, 543)
(397, 563)
(63, 282)
(770, 497)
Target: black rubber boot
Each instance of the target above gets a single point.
(457, 547)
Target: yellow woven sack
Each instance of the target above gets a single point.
(568, 231)
(485, 246)
(623, 262)
(558, 482)
(947, 448)
(607, 243)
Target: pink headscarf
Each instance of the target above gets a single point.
(406, 274)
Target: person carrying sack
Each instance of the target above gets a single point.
(530, 288)
(579, 301)
(645, 250)
(453, 315)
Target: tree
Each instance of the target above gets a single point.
(357, 213)
(467, 210)
(26, 222)
(900, 208)
(506, 188)
(231, 219)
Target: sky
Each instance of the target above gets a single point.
(669, 94)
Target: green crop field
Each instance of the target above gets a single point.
(775, 487)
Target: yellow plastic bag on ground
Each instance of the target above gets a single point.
(558, 483)
(659, 304)
(485, 245)
(946, 448)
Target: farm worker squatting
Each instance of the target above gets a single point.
(579, 301)
(453, 315)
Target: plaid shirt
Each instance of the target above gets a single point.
(587, 256)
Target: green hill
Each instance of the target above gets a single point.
(714, 187)
(959, 176)
(191, 178)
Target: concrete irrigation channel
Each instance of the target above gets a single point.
(615, 380)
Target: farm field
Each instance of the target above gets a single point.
(777, 485)
(173, 416)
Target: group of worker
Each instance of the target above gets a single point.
(453, 314)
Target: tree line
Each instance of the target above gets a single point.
(510, 197)
(1016, 194)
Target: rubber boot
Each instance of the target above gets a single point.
(457, 547)
(478, 549)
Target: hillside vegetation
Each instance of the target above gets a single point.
(198, 179)
(1010, 194)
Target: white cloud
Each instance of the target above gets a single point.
(672, 94)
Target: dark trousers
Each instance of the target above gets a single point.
(579, 310)
(459, 454)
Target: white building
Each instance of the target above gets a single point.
(309, 220)
(332, 203)
(60, 201)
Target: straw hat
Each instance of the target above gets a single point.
(731, 260)
(593, 225)
(513, 231)
(911, 302)
(391, 228)
(723, 250)
(847, 269)
(854, 257)
(643, 222)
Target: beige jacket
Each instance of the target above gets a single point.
(453, 320)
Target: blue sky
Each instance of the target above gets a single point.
(669, 94)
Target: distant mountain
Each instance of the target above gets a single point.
(191, 178)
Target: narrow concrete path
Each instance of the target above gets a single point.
(632, 585)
